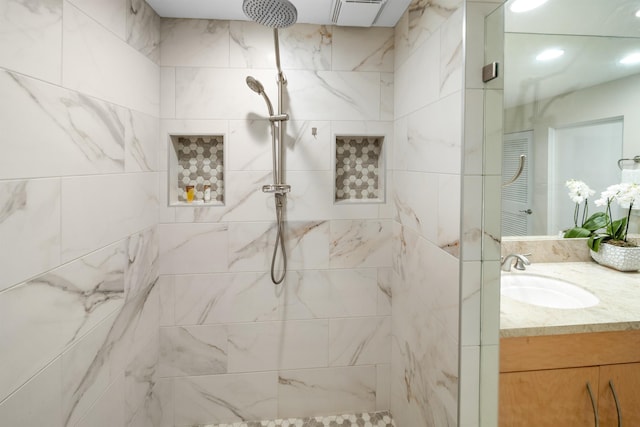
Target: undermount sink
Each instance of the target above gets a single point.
(545, 291)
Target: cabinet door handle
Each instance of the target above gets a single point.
(593, 404)
(615, 398)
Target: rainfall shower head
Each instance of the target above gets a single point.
(257, 87)
(272, 13)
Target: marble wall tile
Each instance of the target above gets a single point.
(469, 386)
(471, 221)
(224, 298)
(142, 407)
(386, 278)
(109, 14)
(30, 220)
(451, 53)
(435, 137)
(75, 134)
(475, 40)
(194, 43)
(311, 195)
(31, 38)
(164, 391)
(143, 29)
(471, 300)
(326, 391)
(167, 93)
(427, 82)
(42, 317)
(473, 131)
(108, 411)
(417, 213)
(302, 46)
(38, 402)
(101, 209)
(114, 72)
(142, 261)
(329, 294)
(341, 95)
(225, 398)
(193, 350)
(449, 189)
(193, 248)
(387, 96)
(383, 385)
(268, 346)
(141, 142)
(360, 341)
(360, 244)
(363, 49)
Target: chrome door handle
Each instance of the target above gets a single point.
(527, 211)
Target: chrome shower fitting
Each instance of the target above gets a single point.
(271, 13)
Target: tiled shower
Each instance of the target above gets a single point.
(121, 304)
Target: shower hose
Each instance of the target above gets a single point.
(279, 241)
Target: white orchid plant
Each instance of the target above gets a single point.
(600, 227)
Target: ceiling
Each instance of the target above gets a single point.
(309, 11)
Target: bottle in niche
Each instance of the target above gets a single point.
(207, 193)
(190, 190)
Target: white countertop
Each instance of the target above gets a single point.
(619, 307)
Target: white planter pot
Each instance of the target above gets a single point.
(618, 257)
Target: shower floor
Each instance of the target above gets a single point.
(367, 419)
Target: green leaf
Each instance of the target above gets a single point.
(596, 240)
(618, 227)
(577, 232)
(596, 221)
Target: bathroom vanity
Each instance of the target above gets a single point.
(572, 367)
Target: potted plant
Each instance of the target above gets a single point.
(579, 193)
(609, 244)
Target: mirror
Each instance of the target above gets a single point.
(573, 114)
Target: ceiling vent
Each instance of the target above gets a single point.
(356, 13)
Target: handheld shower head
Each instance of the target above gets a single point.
(257, 87)
(272, 13)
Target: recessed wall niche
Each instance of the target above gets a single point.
(196, 170)
(359, 172)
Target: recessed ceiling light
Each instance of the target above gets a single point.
(525, 5)
(550, 54)
(632, 58)
(638, 14)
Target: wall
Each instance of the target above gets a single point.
(427, 234)
(232, 345)
(78, 212)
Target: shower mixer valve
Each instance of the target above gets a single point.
(276, 188)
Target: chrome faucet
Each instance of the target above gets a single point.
(519, 264)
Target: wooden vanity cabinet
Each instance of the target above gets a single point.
(543, 380)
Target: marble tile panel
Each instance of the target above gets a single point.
(30, 228)
(385, 284)
(224, 298)
(315, 294)
(194, 43)
(471, 218)
(31, 38)
(163, 389)
(143, 29)
(425, 18)
(251, 245)
(469, 385)
(113, 72)
(449, 205)
(142, 406)
(473, 131)
(417, 213)
(357, 244)
(87, 357)
(492, 185)
(141, 142)
(193, 350)
(363, 49)
(166, 213)
(435, 137)
(475, 41)
(489, 366)
(102, 209)
(142, 261)
(267, 346)
(471, 300)
(387, 96)
(360, 341)
(400, 145)
(326, 391)
(250, 145)
(108, 411)
(311, 195)
(420, 73)
(75, 134)
(302, 46)
(110, 15)
(38, 402)
(193, 248)
(40, 318)
(383, 386)
(167, 94)
(451, 53)
(244, 201)
(490, 304)
(225, 398)
(493, 133)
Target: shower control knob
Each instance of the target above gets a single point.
(527, 211)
